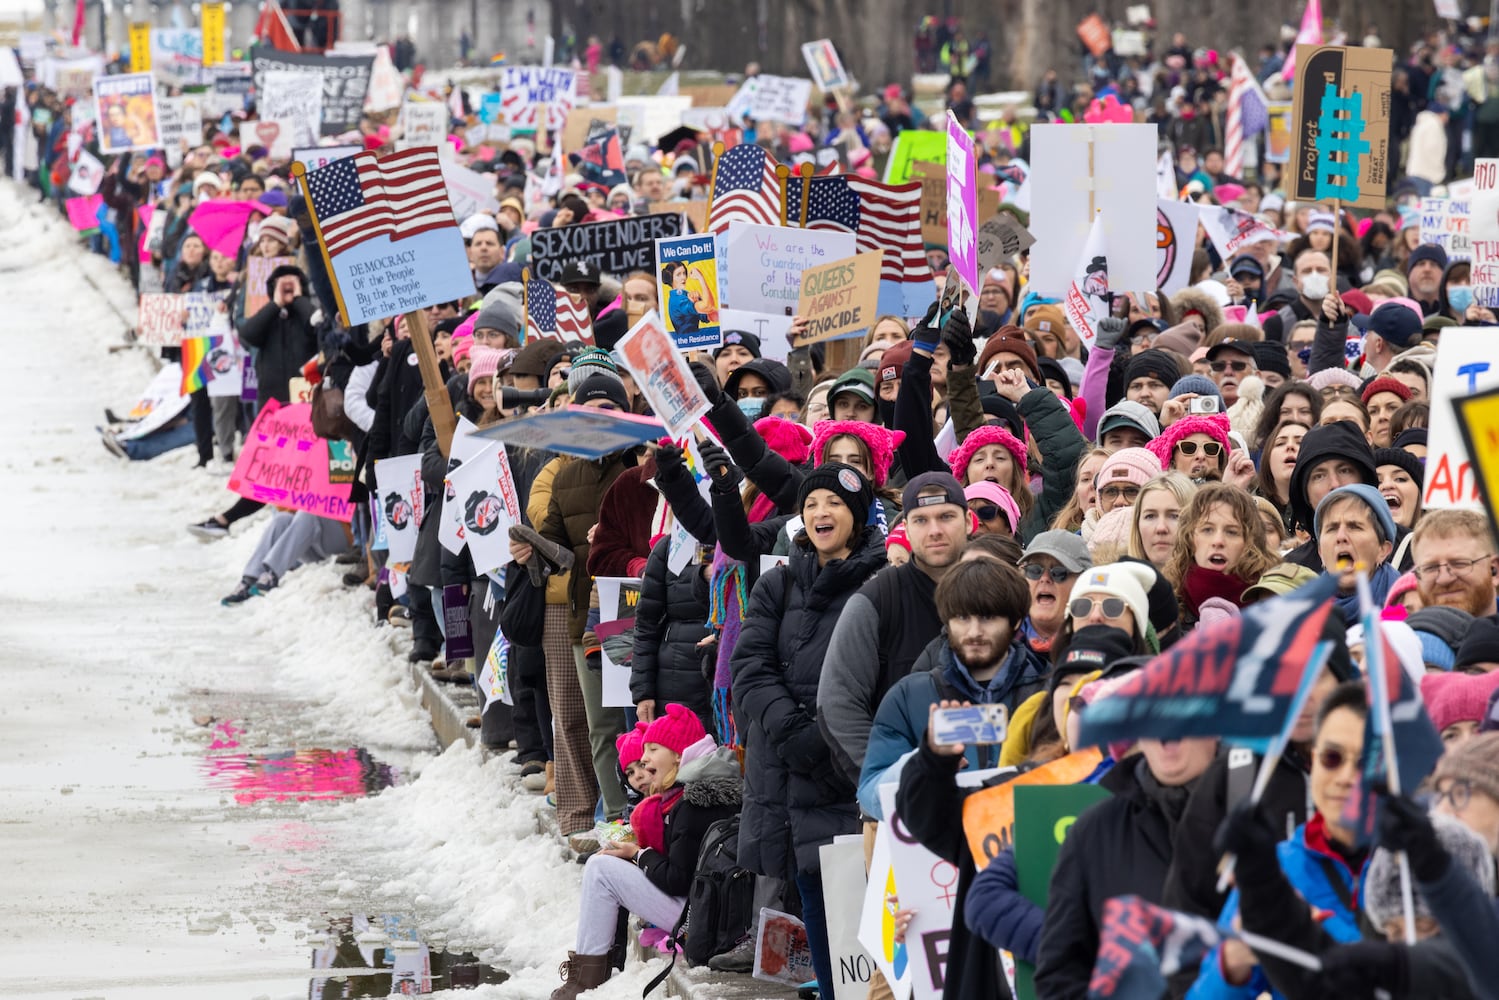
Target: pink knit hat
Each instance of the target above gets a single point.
(1454, 698)
(880, 441)
(980, 438)
(998, 495)
(1334, 376)
(786, 438)
(486, 361)
(1111, 534)
(1214, 425)
(679, 728)
(1132, 465)
(1404, 584)
(631, 745)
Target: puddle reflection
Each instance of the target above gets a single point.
(384, 956)
(293, 775)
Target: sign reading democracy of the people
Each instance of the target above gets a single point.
(346, 79)
(661, 373)
(839, 298)
(127, 112)
(617, 246)
(285, 463)
(1341, 136)
(528, 92)
(772, 98)
(1465, 365)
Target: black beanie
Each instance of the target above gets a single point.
(1480, 645)
(285, 270)
(1092, 647)
(1399, 456)
(846, 481)
(1154, 363)
(1270, 356)
(603, 386)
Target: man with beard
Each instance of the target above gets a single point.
(885, 627)
(1453, 553)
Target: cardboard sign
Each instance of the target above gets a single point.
(346, 79)
(933, 177)
(688, 290)
(401, 496)
(526, 90)
(617, 246)
(277, 137)
(839, 299)
(989, 814)
(765, 264)
(1001, 238)
(127, 112)
(619, 596)
(1465, 366)
(284, 463)
(826, 68)
(469, 191)
(317, 157)
(1341, 135)
(295, 97)
(662, 375)
(581, 431)
(1445, 223)
(696, 212)
(423, 123)
(773, 98)
(580, 122)
(1478, 419)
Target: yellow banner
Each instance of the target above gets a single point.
(140, 47)
(211, 21)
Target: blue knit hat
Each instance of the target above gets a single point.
(1384, 523)
(1435, 652)
(1199, 384)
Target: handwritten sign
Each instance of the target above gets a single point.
(294, 96)
(468, 190)
(1445, 223)
(839, 298)
(284, 463)
(257, 273)
(346, 80)
(1465, 366)
(276, 136)
(962, 203)
(163, 319)
(423, 123)
(933, 177)
(617, 246)
(661, 372)
(773, 98)
(526, 90)
(765, 264)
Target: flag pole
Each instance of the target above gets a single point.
(713, 178)
(806, 171)
(783, 172)
(299, 171)
(525, 303)
(439, 404)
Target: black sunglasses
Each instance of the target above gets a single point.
(987, 512)
(1223, 366)
(1058, 574)
(1333, 759)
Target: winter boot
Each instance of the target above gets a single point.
(242, 593)
(581, 973)
(558, 559)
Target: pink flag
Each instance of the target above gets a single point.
(1310, 34)
(221, 222)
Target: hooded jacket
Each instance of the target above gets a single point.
(1342, 439)
(283, 340)
(777, 666)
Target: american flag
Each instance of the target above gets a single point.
(746, 189)
(1248, 115)
(885, 217)
(556, 315)
(831, 204)
(361, 197)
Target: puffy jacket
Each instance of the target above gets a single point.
(399, 389)
(900, 723)
(670, 621)
(999, 913)
(710, 792)
(623, 542)
(283, 341)
(776, 668)
(577, 493)
(1310, 866)
(1062, 446)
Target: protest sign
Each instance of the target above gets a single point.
(989, 814)
(1234, 679)
(1141, 944)
(617, 246)
(1465, 366)
(839, 299)
(294, 96)
(1278, 133)
(928, 885)
(1478, 417)
(688, 290)
(582, 431)
(468, 190)
(83, 213)
(401, 495)
(284, 463)
(1087, 298)
(71, 76)
(877, 918)
(696, 212)
(346, 80)
(782, 954)
(1095, 35)
(127, 112)
(772, 98)
(842, 867)
(275, 136)
(226, 370)
(1076, 171)
(1175, 242)
(1445, 223)
(1000, 238)
(386, 83)
(485, 500)
(317, 157)
(765, 264)
(962, 203)
(770, 328)
(910, 147)
(662, 375)
(423, 123)
(651, 115)
(231, 86)
(1341, 131)
(181, 122)
(826, 68)
(618, 598)
(140, 47)
(1484, 205)
(465, 448)
(163, 319)
(160, 403)
(176, 55)
(86, 173)
(535, 97)
(582, 121)
(933, 177)
(211, 23)
(1232, 230)
(494, 679)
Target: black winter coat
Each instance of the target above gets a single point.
(283, 340)
(670, 621)
(711, 791)
(777, 666)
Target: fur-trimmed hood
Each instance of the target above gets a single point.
(1190, 300)
(712, 780)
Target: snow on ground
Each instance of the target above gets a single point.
(127, 873)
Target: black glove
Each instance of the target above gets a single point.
(830, 783)
(1404, 826)
(669, 463)
(721, 469)
(926, 336)
(1247, 833)
(1357, 970)
(958, 336)
(1110, 332)
(805, 751)
(708, 381)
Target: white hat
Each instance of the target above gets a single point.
(1128, 581)
(207, 178)
(476, 223)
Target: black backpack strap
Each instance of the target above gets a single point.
(1335, 879)
(676, 941)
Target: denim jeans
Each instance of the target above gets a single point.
(159, 442)
(814, 916)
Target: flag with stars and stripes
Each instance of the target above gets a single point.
(746, 189)
(831, 204)
(556, 315)
(362, 197)
(884, 217)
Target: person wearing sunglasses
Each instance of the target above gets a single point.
(1231, 362)
(1117, 595)
(1197, 446)
(1051, 563)
(1318, 865)
(996, 510)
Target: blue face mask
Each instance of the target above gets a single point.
(751, 406)
(1461, 297)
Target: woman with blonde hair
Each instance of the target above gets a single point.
(1157, 515)
(1220, 550)
(1070, 517)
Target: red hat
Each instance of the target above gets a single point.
(631, 745)
(1452, 698)
(1010, 339)
(1386, 383)
(679, 728)
(897, 536)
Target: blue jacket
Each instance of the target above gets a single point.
(998, 913)
(900, 722)
(1307, 863)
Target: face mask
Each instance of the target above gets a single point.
(751, 406)
(1461, 297)
(1314, 286)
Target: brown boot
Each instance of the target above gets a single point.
(551, 785)
(581, 973)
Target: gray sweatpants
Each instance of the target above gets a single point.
(225, 424)
(291, 539)
(608, 884)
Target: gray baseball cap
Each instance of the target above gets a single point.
(1063, 546)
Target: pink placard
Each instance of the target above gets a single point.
(83, 213)
(284, 463)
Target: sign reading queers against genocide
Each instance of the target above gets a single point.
(618, 246)
(839, 298)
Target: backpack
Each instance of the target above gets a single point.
(720, 902)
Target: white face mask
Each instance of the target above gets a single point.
(1314, 286)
